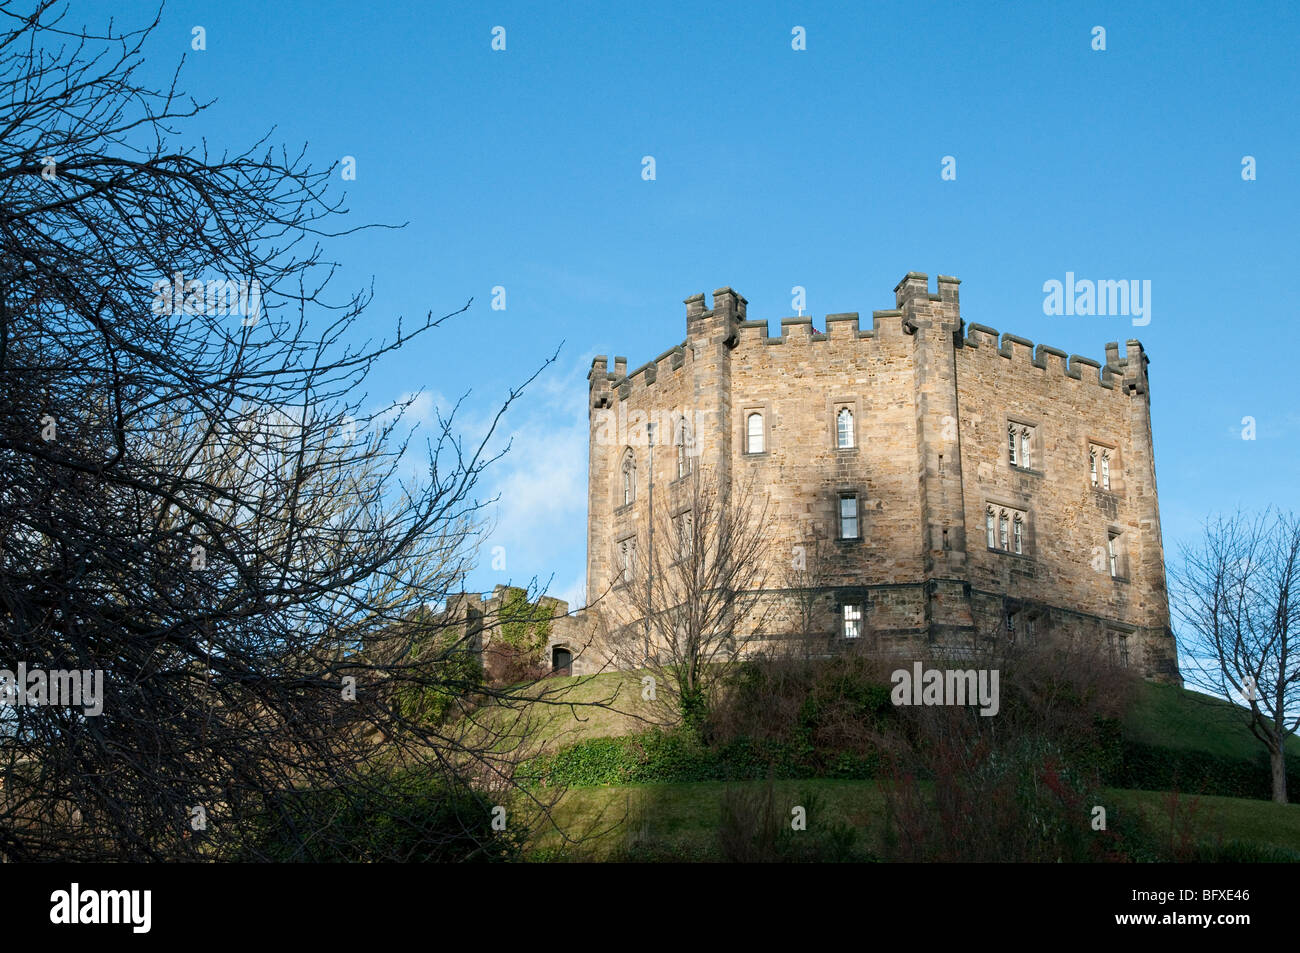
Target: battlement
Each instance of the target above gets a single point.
(1129, 370)
(727, 321)
(924, 421)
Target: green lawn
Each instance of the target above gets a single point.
(681, 820)
(556, 712)
(600, 706)
(1172, 717)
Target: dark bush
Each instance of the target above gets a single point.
(401, 816)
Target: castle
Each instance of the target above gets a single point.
(959, 486)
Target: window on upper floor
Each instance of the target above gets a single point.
(1020, 444)
(685, 535)
(1006, 529)
(848, 516)
(754, 433)
(627, 558)
(628, 478)
(1102, 466)
(1114, 553)
(684, 447)
(844, 429)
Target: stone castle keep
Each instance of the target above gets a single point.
(957, 487)
(952, 489)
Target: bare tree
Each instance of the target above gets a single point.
(196, 500)
(1235, 596)
(809, 579)
(694, 603)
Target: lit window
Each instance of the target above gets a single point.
(848, 517)
(844, 428)
(852, 627)
(755, 434)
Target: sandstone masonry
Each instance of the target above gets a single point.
(955, 486)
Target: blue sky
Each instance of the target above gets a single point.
(775, 168)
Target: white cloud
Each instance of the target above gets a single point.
(541, 515)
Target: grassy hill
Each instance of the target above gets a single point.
(1161, 715)
(1192, 735)
(680, 822)
(1172, 717)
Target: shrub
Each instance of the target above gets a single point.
(387, 816)
(755, 827)
(1154, 768)
(659, 756)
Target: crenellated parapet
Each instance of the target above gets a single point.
(914, 422)
(1121, 371)
(1128, 371)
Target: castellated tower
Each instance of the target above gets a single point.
(944, 485)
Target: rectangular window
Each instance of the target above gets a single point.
(1123, 651)
(1112, 554)
(627, 558)
(852, 624)
(685, 536)
(848, 517)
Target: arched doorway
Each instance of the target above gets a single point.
(561, 661)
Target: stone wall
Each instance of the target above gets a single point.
(931, 399)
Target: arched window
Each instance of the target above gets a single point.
(754, 431)
(1018, 530)
(1024, 447)
(1011, 444)
(844, 428)
(1002, 529)
(988, 526)
(629, 478)
(683, 447)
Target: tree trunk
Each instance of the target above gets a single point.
(1277, 760)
